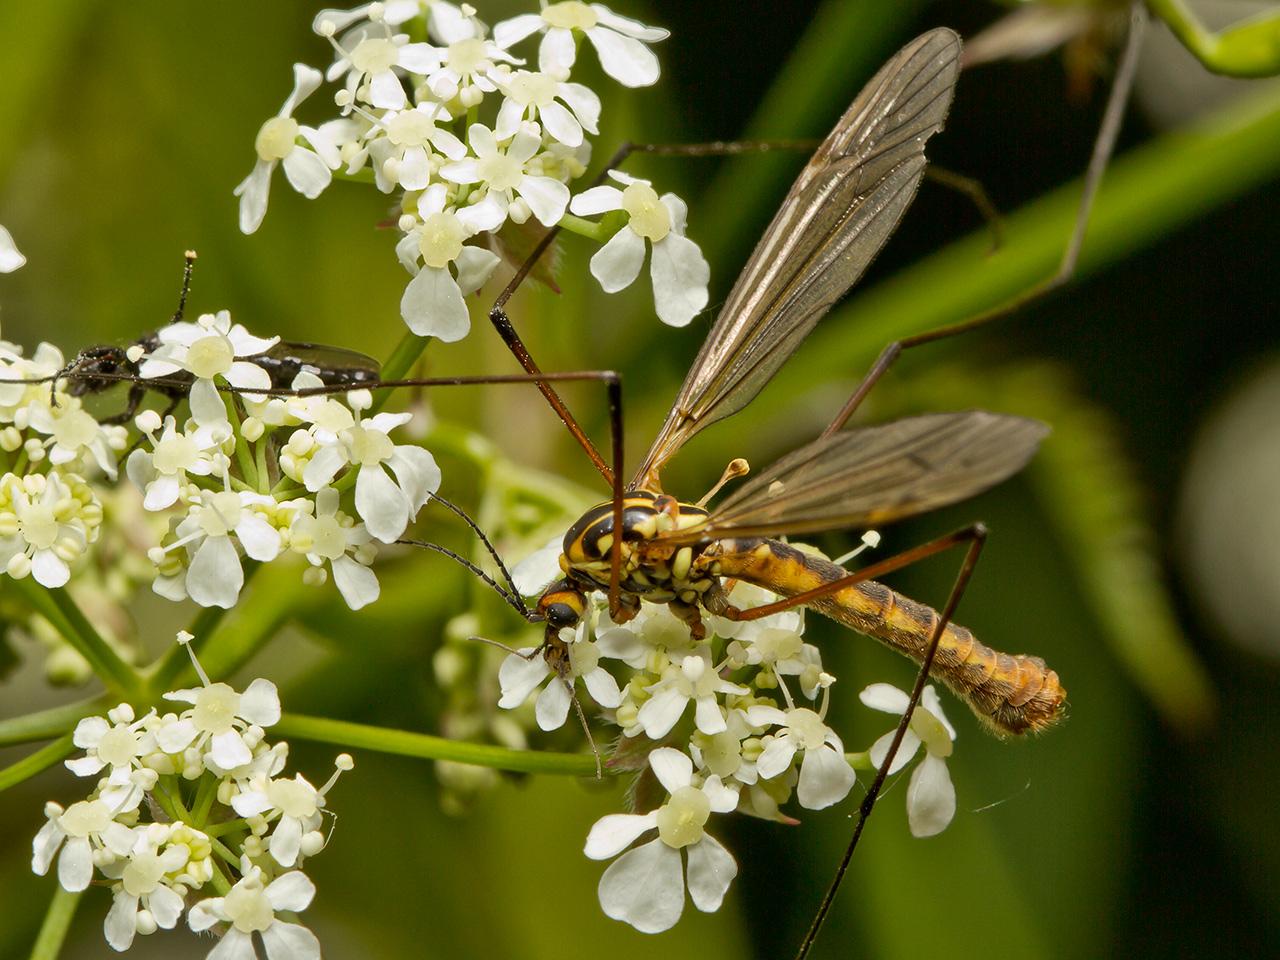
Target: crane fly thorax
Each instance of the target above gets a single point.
(651, 568)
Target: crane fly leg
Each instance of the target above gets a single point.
(975, 536)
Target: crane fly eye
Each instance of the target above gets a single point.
(561, 615)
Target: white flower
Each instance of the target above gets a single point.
(504, 173)
(564, 109)
(520, 674)
(211, 347)
(931, 798)
(645, 887)
(86, 827)
(215, 576)
(121, 743)
(687, 678)
(330, 535)
(619, 41)
(433, 304)
(468, 70)
(10, 258)
(306, 169)
(535, 572)
(45, 524)
(227, 723)
(370, 57)
(75, 435)
(250, 907)
(161, 473)
(677, 267)
(294, 804)
(386, 505)
(145, 897)
(399, 146)
(825, 774)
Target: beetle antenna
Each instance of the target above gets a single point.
(514, 602)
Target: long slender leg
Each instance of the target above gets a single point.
(1103, 147)
(976, 541)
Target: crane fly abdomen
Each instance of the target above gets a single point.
(1010, 694)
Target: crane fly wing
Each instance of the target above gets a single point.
(875, 475)
(846, 202)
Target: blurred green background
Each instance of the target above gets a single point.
(1145, 825)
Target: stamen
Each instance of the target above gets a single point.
(185, 639)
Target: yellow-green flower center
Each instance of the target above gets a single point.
(441, 239)
(500, 171)
(570, 15)
(173, 454)
(649, 216)
(466, 56)
(38, 525)
(210, 356)
(532, 88)
(681, 819)
(277, 138)
(374, 55)
(248, 908)
(215, 708)
(410, 128)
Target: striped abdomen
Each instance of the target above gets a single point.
(1011, 694)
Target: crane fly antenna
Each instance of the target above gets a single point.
(475, 528)
(515, 602)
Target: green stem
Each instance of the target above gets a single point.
(30, 765)
(598, 232)
(227, 826)
(205, 795)
(43, 724)
(57, 920)
(57, 606)
(248, 471)
(225, 852)
(398, 365)
(260, 463)
(219, 880)
(861, 761)
(1250, 48)
(426, 747)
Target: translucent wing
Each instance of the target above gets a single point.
(838, 214)
(875, 475)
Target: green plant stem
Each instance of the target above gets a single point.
(56, 606)
(43, 724)
(30, 765)
(225, 827)
(248, 471)
(57, 921)
(398, 365)
(598, 232)
(1250, 48)
(424, 746)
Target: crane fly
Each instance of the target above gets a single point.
(842, 208)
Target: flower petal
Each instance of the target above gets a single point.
(603, 688)
(10, 258)
(612, 834)
(432, 305)
(672, 768)
(260, 703)
(825, 778)
(625, 59)
(121, 923)
(931, 798)
(596, 200)
(290, 941)
(885, 697)
(552, 708)
(356, 582)
(381, 504)
(75, 865)
(253, 192)
(547, 198)
(776, 757)
(660, 712)
(306, 172)
(880, 749)
(519, 676)
(711, 870)
(680, 274)
(291, 891)
(644, 888)
(561, 124)
(286, 841)
(617, 264)
(510, 32)
(215, 576)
